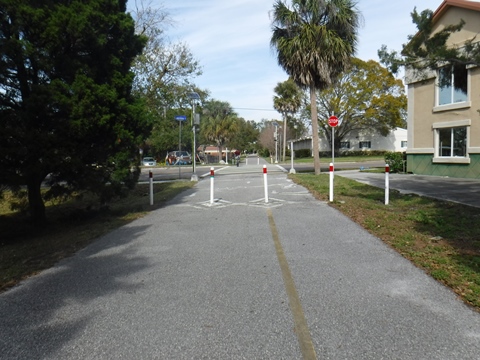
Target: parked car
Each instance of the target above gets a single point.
(178, 158)
(149, 161)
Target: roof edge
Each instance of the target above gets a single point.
(446, 4)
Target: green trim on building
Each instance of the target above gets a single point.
(421, 164)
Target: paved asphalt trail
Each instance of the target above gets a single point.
(240, 279)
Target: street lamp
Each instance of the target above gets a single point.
(195, 121)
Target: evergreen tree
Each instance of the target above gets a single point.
(66, 108)
(427, 50)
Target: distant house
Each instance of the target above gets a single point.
(210, 153)
(443, 121)
(396, 140)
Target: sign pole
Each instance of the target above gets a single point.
(180, 118)
(333, 122)
(333, 145)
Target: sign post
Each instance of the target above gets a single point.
(180, 118)
(333, 122)
(195, 121)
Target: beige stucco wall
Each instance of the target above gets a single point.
(474, 110)
(454, 16)
(422, 111)
(424, 115)
(424, 93)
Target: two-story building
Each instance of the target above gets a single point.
(443, 106)
(396, 140)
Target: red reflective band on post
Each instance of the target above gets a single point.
(150, 174)
(212, 172)
(331, 167)
(387, 168)
(264, 169)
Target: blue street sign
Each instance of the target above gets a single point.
(181, 118)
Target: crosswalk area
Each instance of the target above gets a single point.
(250, 165)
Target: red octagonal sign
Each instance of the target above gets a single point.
(333, 121)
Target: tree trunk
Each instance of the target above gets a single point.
(313, 105)
(220, 152)
(284, 135)
(35, 202)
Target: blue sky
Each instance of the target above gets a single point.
(231, 40)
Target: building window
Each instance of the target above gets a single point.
(344, 144)
(452, 142)
(403, 144)
(452, 85)
(365, 145)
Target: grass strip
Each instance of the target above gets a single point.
(440, 237)
(26, 250)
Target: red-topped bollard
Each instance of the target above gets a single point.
(331, 183)
(265, 182)
(387, 184)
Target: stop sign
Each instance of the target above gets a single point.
(333, 121)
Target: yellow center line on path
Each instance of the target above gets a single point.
(301, 328)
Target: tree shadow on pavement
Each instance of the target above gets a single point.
(45, 312)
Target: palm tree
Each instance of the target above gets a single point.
(314, 41)
(287, 102)
(219, 123)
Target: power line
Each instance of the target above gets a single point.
(254, 109)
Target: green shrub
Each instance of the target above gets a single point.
(264, 152)
(303, 153)
(394, 160)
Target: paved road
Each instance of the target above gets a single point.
(185, 172)
(239, 279)
(464, 191)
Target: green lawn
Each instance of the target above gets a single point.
(440, 237)
(72, 225)
(337, 159)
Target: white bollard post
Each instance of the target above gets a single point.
(387, 184)
(212, 175)
(292, 155)
(150, 175)
(265, 182)
(331, 182)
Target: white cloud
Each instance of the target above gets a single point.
(231, 40)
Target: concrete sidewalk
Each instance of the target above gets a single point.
(239, 279)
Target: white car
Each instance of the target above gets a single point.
(149, 161)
